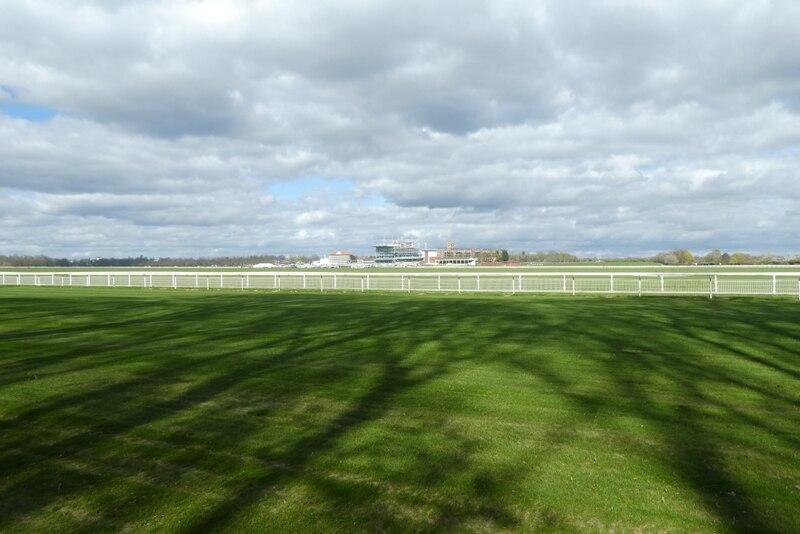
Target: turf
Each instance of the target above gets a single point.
(195, 411)
(604, 267)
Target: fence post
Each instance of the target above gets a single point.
(171, 279)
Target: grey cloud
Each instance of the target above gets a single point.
(616, 126)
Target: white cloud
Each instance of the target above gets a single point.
(621, 127)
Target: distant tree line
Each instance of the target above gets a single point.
(551, 256)
(717, 257)
(142, 261)
(673, 257)
(493, 256)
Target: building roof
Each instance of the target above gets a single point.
(341, 253)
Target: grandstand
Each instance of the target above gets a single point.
(398, 253)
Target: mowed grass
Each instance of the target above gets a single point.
(195, 411)
(578, 267)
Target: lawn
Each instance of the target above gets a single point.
(205, 411)
(603, 267)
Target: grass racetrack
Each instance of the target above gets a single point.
(195, 411)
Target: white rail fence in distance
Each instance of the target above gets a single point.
(573, 283)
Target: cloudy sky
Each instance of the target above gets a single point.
(206, 128)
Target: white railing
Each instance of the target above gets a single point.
(572, 283)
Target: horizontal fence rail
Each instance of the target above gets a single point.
(572, 283)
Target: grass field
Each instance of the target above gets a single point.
(194, 411)
(550, 268)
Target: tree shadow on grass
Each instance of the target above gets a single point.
(360, 501)
(249, 396)
(394, 379)
(107, 416)
(659, 359)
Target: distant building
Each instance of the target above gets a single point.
(398, 252)
(341, 258)
(450, 256)
(429, 256)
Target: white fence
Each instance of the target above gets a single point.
(571, 283)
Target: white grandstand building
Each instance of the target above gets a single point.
(340, 258)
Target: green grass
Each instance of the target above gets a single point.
(643, 267)
(195, 411)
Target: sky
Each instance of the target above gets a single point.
(216, 128)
